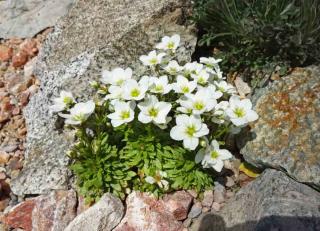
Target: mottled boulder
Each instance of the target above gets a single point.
(47, 212)
(103, 216)
(271, 202)
(25, 18)
(287, 134)
(145, 212)
(95, 35)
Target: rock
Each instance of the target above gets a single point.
(271, 202)
(19, 59)
(103, 216)
(195, 211)
(216, 207)
(55, 211)
(82, 44)
(242, 87)
(230, 182)
(4, 157)
(5, 53)
(144, 212)
(47, 212)
(178, 203)
(25, 18)
(219, 193)
(286, 136)
(29, 46)
(207, 198)
(20, 215)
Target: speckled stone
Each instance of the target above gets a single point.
(287, 134)
(271, 202)
(95, 35)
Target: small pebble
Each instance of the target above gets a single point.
(195, 211)
(216, 207)
(230, 182)
(219, 193)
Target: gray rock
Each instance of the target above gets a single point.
(219, 193)
(103, 216)
(195, 210)
(271, 202)
(287, 134)
(95, 35)
(26, 18)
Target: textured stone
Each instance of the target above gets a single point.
(287, 134)
(20, 215)
(25, 18)
(19, 59)
(55, 211)
(103, 216)
(178, 203)
(271, 202)
(5, 53)
(207, 198)
(144, 212)
(47, 212)
(219, 193)
(95, 35)
(195, 211)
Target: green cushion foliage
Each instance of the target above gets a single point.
(254, 33)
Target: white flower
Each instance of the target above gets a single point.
(173, 67)
(217, 73)
(63, 102)
(189, 129)
(169, 43)
(153, 111)
(240, 111)
(160, 85)
(202, 101)
(132, 90)
(202, 77)
(225, 87)
(158, 179)
(117, 76)
(192, 68)
(79, 113)
(152, 58)
(219, 114)
(210, 62)
(183, 85)
(213, 156)
(124, 113)
(116, 92)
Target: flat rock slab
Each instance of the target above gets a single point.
(26, 18)
(95, 35)
(287, 134)
(271, 202)
(103, 216)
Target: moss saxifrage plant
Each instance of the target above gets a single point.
(158, 132)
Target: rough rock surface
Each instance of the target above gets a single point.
(95, 35)
(144, 212)
(271, 202)
(25, 18)
(287, 135)
(103, 216)
(47, 212)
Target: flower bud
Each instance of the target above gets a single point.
(203, 143)
(94, 84)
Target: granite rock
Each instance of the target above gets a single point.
(271, 202)
(287, 134)
(82, 44)
(103, 216)
(25, 18)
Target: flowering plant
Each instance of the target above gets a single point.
(161, 130)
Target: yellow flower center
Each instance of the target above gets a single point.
(158, 88)
(239, 112)
(153, 112)
(198, 105)
(191, 130)
(135, 92)
(153, 61)
(80, 117)
(120, 81)
(68, 101)
(185, 89)
(170, 45)
(125, 115)
(214, 154)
